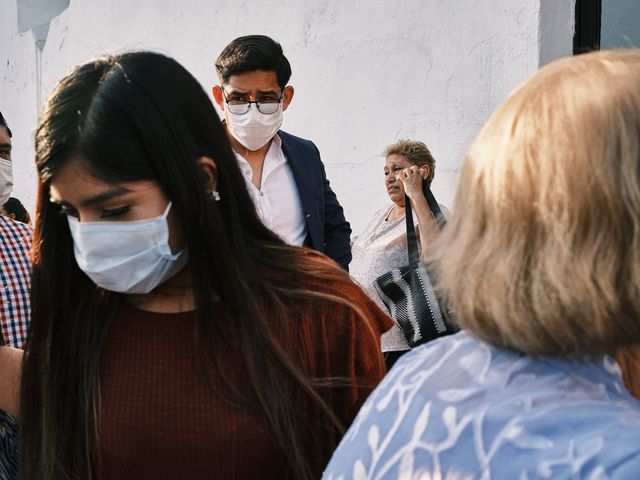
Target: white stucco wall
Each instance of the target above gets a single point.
(557, 24)
(366, 72)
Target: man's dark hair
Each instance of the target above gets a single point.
(3, 123)
(15, 207)
(250, 53)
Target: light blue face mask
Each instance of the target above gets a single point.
(126, 257)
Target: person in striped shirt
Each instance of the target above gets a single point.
(15, 278)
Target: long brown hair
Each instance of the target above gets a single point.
(142, 116)
(542, 254)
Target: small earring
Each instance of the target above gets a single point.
(215, 195)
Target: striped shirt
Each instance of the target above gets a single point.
(15, 281)
(15, 310)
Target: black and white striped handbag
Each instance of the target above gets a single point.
(408, 292)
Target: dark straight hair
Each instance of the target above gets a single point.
(141, 116)
(251, 53)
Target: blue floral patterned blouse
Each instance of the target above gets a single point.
(458, 408)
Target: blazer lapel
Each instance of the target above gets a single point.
(306, 190)
(296, 162)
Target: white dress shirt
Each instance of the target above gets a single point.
(277, 200)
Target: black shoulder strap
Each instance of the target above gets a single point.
(412, 241)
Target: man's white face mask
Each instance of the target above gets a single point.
(6, 180)
(253, 129)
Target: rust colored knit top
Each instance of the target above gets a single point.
(160, 420)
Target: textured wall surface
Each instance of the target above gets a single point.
(557, 21)
(366, 72)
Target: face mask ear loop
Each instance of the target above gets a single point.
(166, 210)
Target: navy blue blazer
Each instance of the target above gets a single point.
(328, 230)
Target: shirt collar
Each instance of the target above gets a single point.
(276, 143)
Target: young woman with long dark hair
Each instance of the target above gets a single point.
(172, 334)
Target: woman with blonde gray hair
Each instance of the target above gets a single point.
(541, 263)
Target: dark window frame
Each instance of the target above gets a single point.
(588, 21)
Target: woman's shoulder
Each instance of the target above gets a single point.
(322, 274)
(323, 284)
(331, 316)
(302, 265)
(459, 388)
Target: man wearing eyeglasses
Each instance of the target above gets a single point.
(284, 173)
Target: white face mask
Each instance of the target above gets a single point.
(6, 180)
(254, 129)
(126, 257)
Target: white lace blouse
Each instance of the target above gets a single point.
(381, 247)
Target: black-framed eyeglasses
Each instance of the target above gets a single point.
(240, 106)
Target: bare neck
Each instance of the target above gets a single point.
(176, 295)
(396, 212)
